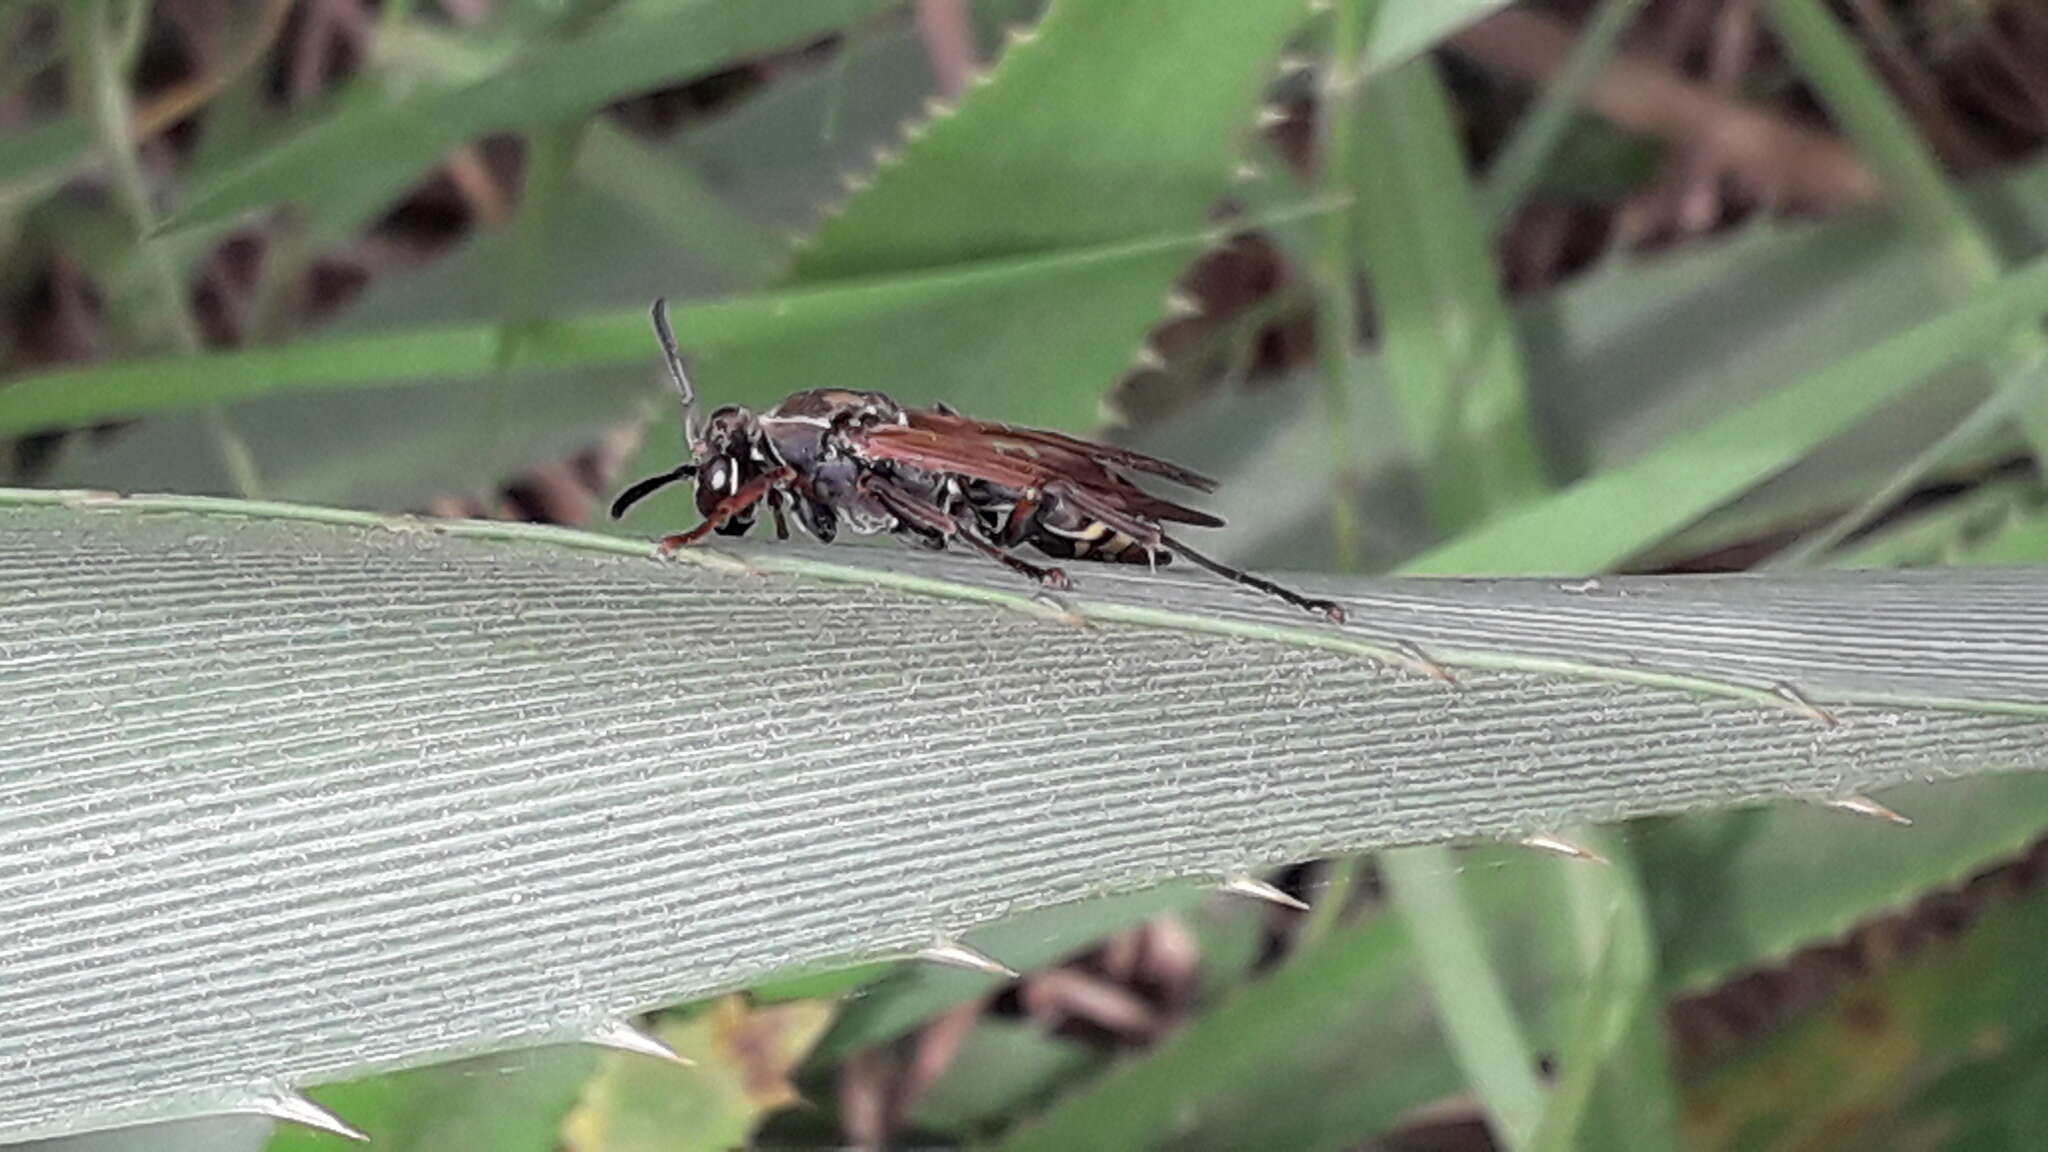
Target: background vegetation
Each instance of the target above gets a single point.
(1435, 286)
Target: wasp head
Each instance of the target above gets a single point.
(727, 449)
(730, 450)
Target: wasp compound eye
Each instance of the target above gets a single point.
(720, 475)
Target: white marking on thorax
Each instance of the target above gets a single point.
(808, 421)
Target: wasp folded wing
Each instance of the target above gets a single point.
(992, 458)
(1055, 448)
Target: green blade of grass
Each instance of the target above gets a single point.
(1457, 383)
(550, 166)
(1963, 252)
(2010, 398)
(1884, 135)
(369, 150)
(1526, 154)
(1601, 522)
(1479, 1024)
(1450, 355)
(776, 329)
(1741, 891)
(1335, 270)
(1614, 1088)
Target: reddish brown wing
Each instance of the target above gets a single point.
(997, 459)
(1054, 447)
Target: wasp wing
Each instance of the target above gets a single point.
(1055, 448)
(1000, 458)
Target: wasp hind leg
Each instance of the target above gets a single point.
(1328, 609)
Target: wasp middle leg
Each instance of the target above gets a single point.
(928, 517)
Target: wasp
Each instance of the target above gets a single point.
(838, 459)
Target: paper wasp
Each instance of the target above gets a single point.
(860, 461)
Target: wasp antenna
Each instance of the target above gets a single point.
(677, 372)
(632, 496)
(622, 1036)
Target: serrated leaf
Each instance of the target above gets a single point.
(582, 730)
(1447, 345)
(1108, 123)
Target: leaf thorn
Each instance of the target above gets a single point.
(1803, 705)
(954, 954)
(292, 1108)
(620, 1035)
(1866, 807)
(1423, 662)
(1558, 845)
(1247, 885)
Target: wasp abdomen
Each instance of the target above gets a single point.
(1096, 541)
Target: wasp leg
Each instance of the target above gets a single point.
(781, 521)
(1326, 608)
(749, 495)
(1023, 519)
(931, 518)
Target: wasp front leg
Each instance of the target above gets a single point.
(749, 494)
